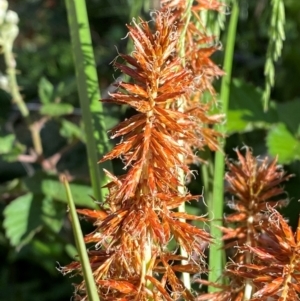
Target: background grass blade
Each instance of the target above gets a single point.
(91, 288)
(89, 94)
(216, 203)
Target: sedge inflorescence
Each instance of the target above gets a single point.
(196, 47)
(265, 254)
(131, 260)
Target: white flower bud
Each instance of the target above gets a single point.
(4, 84)
(11, 17)
(3, 5)
(3, 8)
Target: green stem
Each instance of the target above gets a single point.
(89, 94)
(90, 284)
(17, 98)
(12, 78)
(216, 203)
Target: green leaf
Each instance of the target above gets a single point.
(45, 252)
(56, 109)
(71, 251)
(53, 214)
(288, 113)
(42, 183)
(6, 143)
(45, 90)
(65, 88)
(14, 152)
(28, 214)
(89, 94)
(281, 142)
(193, 209)
(71, 130)
(9, 186)
(112, 116)
(22, 219)
(246, 110)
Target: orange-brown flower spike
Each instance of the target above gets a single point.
(254, 185)
(131, 237)
(255, 188)
(274, 270)
(159, 79)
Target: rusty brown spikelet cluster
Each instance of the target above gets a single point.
(264, 263)
(274, 270)
(131, 260)
(197, 47)
(254, 185)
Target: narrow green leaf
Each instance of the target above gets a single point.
(89, 94)
(90, 284)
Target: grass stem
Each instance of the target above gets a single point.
(216, 203)
(90, 284)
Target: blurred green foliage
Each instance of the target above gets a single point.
(35, 232)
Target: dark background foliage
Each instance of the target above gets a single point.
(35, 236)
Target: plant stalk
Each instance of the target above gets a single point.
(17, 98)
(216, 203)
(11, 73)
